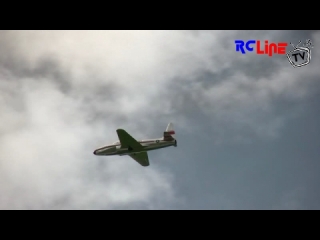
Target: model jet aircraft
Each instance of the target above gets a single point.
(137, 150)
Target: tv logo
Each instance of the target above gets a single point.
(269, 49)
(300, 56)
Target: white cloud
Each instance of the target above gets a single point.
(49, 158)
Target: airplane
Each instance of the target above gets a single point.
(137, 150)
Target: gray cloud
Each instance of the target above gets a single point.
(64, 93)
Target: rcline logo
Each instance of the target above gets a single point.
(298, 57)
(269, 49)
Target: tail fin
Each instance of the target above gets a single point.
(169, 134)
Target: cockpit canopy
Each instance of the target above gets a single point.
(116, 143)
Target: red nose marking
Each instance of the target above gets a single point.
(171, 132)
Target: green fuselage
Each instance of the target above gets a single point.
(148, 145)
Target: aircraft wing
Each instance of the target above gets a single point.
(141, 158)
(127, 141)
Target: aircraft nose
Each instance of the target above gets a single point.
(95, 152)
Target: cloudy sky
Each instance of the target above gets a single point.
(247, 125)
